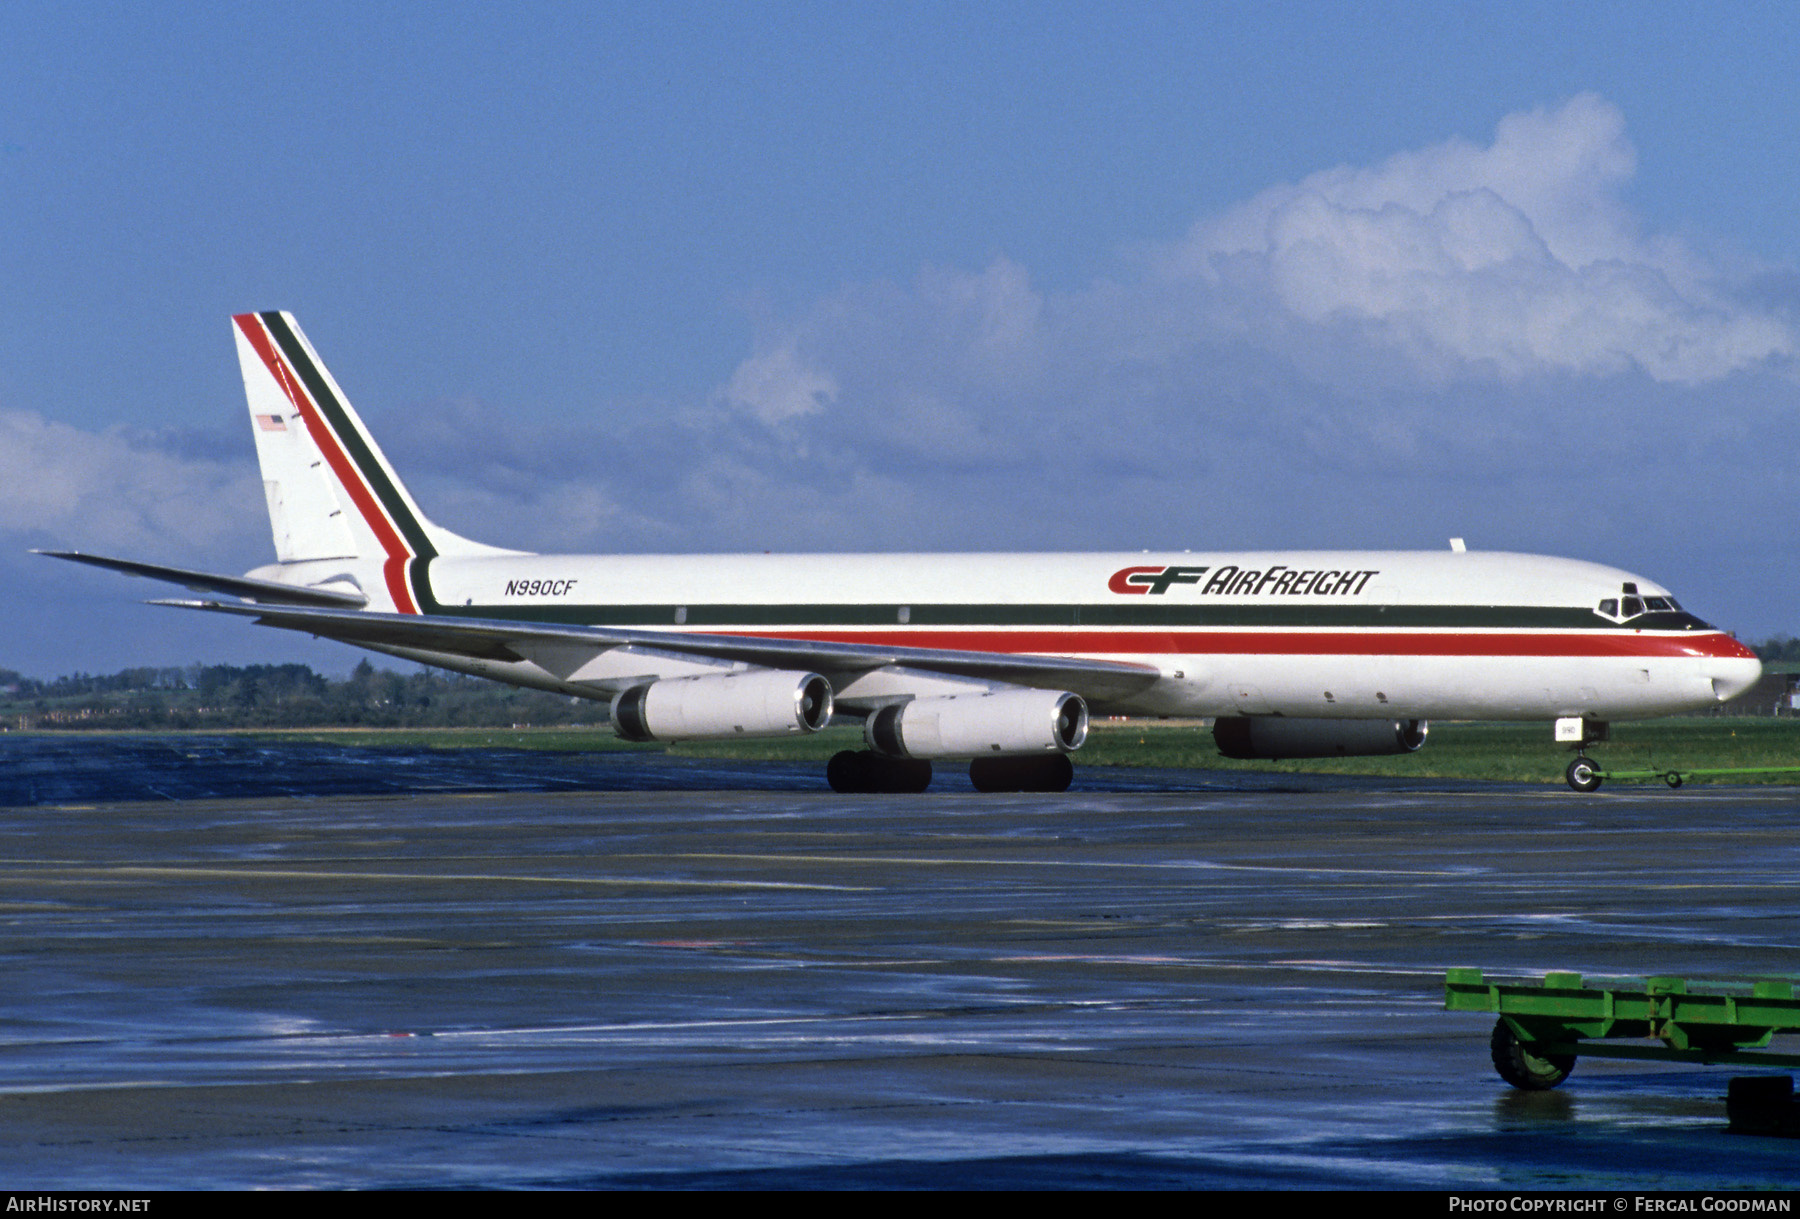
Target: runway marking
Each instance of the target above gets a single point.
(1095, 958)
(450, 877)
(1183, 865)
(750, 1022)
(95, 1086)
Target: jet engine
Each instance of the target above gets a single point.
(761, 702)
(978, 725)
(1276, 736)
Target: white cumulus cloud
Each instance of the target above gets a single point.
(1518, 256)
(775, 386)
(116, 493)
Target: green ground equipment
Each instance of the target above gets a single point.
(1585, 774)
(1544, 1028)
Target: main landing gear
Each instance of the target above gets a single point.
(864, 771)
(1044, 773)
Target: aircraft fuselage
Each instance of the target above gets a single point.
(1447, 635)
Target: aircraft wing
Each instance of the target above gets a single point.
(485, 639)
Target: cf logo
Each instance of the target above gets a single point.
(1153, 579)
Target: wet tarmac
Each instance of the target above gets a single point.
(784, 988)
(76, 768)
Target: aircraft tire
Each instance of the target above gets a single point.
(1034, 774)
(1524, 1070)
(991, 775)
(1583, 775)
(849, 772)
(906, 776)
(1055, 773)
(864, 772)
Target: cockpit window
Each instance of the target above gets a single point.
(1623, 609)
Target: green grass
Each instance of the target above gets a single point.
(1499, 752)
(1523, 753)
(553, 739)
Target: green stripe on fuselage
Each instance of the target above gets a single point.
(1136, 615)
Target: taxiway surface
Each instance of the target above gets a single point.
(737, 988)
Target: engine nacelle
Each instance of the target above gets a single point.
(1278, 736)
(979, 725)
(761, 702)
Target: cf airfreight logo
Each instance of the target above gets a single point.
(1233, 581)
(1153, 579)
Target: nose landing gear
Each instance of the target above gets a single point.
(1583, 775)
(1579, 732)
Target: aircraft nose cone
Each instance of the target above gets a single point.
(1731, 678)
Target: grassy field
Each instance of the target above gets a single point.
(1510, 752)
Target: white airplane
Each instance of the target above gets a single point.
(998, 658)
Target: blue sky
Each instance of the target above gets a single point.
(907, 277)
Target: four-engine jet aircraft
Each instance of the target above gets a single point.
(998, 658)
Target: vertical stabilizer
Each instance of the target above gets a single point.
(305, 513)
(331, 492)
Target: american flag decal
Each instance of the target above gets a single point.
(271, 423)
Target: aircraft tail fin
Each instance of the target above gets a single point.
(331, 492)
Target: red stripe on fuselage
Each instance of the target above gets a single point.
(394, 569)
(1288, 643)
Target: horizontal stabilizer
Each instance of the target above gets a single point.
(265, 592)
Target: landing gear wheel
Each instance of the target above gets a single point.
(866, 772)
(848, 771)
(1583, 775)
(908, 776)
(1523, 1069)
(1673, 779)
(1030, 774)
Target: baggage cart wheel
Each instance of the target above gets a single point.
(1523, 1069)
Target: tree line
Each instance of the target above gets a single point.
(279, 696)
(1780, 648)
